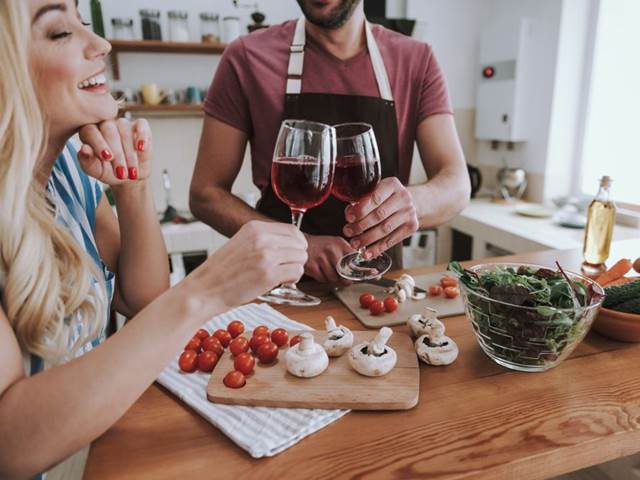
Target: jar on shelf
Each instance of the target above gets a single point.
(122, 28)
(231, 29)
(151, 29)
(210, 27)
(178, 26)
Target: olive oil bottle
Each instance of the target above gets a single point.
(601, 217)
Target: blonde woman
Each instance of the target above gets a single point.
(65, 259)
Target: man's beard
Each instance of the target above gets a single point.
(337, 18)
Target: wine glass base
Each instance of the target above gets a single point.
(284, 295)
(350, 268)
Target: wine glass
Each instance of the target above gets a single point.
(301, 177)
(357, 172)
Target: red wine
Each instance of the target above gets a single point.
(355, 177)
(302, 182)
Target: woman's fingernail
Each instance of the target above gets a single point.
(133, 173)
(367, 255)
(106, 155)
(120, 172)
(350, 217)
(348, 232)
(140, 145)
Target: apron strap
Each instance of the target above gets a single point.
(296, 59)
(296, 62)
(378, 65)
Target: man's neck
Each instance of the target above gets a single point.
(344, 42)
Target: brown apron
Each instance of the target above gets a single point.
(328, 217)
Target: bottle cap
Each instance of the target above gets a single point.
(605, 181)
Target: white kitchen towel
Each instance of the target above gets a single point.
(261, 431)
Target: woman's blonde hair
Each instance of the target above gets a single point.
(48, 293)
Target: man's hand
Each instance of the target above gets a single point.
(382, 219)
(324, 253)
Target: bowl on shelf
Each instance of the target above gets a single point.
(621, 326)
(528, 339)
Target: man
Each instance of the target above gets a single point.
(332, 67)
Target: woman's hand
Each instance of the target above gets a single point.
(116, 151)
(259, 257)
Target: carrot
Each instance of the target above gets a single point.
(618, 270)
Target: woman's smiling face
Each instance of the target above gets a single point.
(68, 63)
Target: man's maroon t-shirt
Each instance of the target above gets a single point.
(249, 86)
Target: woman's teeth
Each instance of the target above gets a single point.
(93, 82)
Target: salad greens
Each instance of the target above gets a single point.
(553, 322)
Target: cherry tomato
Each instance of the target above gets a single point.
(294, 340)
(390, 304)
(435, 290)
(202, 334)
(280, 337)
(212, 344)
(376, 307)
(235, 328)
(234, 379)
(194, 344)
(223, 336)
(451, 292)
(448, 282)
(244, 363)
(188, 361)
(207, 361)
(366, 299)
(239, 345)
(258, 340)
(260, 330)
(267, 352)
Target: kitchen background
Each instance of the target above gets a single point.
(565, 114)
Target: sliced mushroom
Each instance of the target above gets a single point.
(405, 288)
(436, 350)
(374, 358)
(426, 324)
(339, 338)
(306, 359)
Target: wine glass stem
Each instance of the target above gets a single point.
(296, 219)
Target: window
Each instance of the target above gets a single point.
(612, 125)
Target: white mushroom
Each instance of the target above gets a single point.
(405, 288)
(339, 339)
(439, 350)
(426, 324)
(306, 359)
(374, 358)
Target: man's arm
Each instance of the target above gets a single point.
(448, 188)
(220, 157)
(393, 212)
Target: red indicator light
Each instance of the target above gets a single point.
(488, 72)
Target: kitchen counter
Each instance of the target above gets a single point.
(474, 420)
(492, 224)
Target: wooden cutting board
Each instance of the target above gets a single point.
(339, 386)
(445, 307)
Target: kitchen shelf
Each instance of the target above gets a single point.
(163, 110)
(157, 46)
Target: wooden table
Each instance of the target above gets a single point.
(474, 419)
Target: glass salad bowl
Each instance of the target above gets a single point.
(531, 321)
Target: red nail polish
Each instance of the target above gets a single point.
(140, 145)
(120, 172)
(106, 155)
(133, 173)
